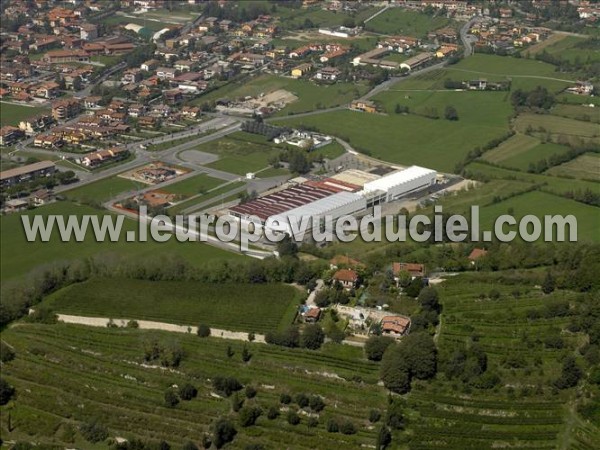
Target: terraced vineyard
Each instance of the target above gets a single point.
(65, 374)
(521, 412)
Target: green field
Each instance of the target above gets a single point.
(20, 256)
(578, 112)
(153, 25)
(220, 191)
(239, 155)
(310, 95)
(66, 374)
(294, 18)
(521, 150)
(556, 126)
(412, 139)
(566, 49)
(540, 204)
(251, 307)
(584, 167)
(101, 191)
(11, 114)
(410, 23)
(194, 185)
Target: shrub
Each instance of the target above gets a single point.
(312, 422)
(226, 385)
(374, 415)
(93, 431)
(332, 426)
(203, 330)
(6, 353)
(250, 391)
(347, 427)
(171, 399)
(6, 392)
(302, 400)
(286, 399)
(224, 432)
(133, 324)
(188, 392)
(248, 415)
(293, 418)
(316, 403)
(273, 413)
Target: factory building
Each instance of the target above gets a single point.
(398, 184)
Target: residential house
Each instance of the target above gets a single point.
(348, 278)
(95, 159)
(48, 90)
(65, 108)
(312, 315)
(42, 197)
(343, 261)
(9, 135)
(184, 65)
(414, 270)
(131, 76)
(35, 124)
(476, 254)
(364, 105)
(301, 70)
(150, 65)
(395, 325)
(328, 74)
(48, 141)
(20, 174)
(88, 31)
(65, 56)
(168, 73)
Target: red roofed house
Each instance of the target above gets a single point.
(395, 325)
(348, 278)
(476, 254)
(415, 270)
(344, 261)
(312, 315)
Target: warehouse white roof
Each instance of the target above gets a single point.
(387, 182)
(319, 207)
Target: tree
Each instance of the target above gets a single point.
(376, 345)
(571, 374)
(302, 400)
(285, 399)
(384, 438)
(203, 330)
(404, 277)
(549, 284)
(188, 392)
(226, 385)
(287, 246)
(250, 391)
(236, 402)
(298, 162)
(374, 415)
(246, 355)
(171, 399)
(316, 403)
(333, 426)
(293, 418)
(6, 353)
(248, 415)
(428, 298)
(450, 113)
(229, 351)
(93, 431)
(312, 337)
(401, 109)
(347, 427)
(224, 432)
(273, 413)
(414, 287)
(6, 392)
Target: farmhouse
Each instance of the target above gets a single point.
(476, 254)
(312, 315)
(395, 325)
(413, 269)
(25, 173)
(348, 278)
(344, 261)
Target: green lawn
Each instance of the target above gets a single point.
(20, 256)
(251, 307)
(101, 191)
(310, 95)
(11, 114)
(410, 23)
(193, 185)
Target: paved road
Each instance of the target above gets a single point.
(466, 38)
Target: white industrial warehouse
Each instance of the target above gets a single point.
(347, 193)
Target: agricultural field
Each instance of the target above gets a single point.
(11, 114)
(197, 184)
(567, 49)
(254, 307)
(219, 193)
(409, 23)
(556, 126)
(56, 374)
(522, 410)
(395, 137)
(292, 19)
(584, 167)
(24, 256)
(540, 204)
(577, 112)
(521, 150)
(310, 95)
(101, 191)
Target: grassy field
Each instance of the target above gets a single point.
(11, 114)
(294, 18)
(578, 112)
(555, 126)
(566, 49)
(410, 23)
(253, 307)
(521, 150)
(540, 204)
(310, 95)
(395, 138)
(66, 374)
(101, 191)
(194, 185)
(239, 155)
(20, 256)
(584, 167)
(153, 25)
(450, 415)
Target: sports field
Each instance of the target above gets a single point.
(20, 256)
(250, 307)
(584, 167)
(11, 114)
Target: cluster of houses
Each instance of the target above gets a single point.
(506, 34)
